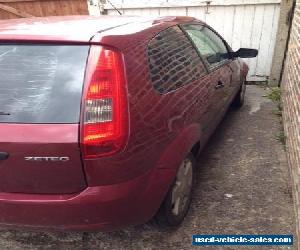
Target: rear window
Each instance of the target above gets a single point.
(41, 83)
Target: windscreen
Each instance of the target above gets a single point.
(41, 83)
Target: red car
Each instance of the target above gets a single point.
(101, 118)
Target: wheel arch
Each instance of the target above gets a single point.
(187, 141)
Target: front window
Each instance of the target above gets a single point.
(208, 44)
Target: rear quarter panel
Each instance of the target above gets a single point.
(163, 128)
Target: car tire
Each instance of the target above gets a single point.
(178, 199)
(239, 99)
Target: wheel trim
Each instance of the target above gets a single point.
(182, 187)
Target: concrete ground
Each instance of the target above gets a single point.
(243, 187)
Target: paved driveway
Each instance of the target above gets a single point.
(243, 187)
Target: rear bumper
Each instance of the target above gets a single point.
(103, 208)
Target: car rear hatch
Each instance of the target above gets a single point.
(40, 99)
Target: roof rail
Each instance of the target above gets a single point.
(165, 19)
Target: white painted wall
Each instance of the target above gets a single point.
(243, 23)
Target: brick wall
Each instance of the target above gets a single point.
(291, 103)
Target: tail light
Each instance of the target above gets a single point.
(104, 129)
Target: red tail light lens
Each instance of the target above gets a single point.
(105, 108)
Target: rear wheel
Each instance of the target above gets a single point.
(177, 202)
(239, 99)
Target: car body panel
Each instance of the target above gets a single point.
(59, 28)
(102, 208)
(19, 175)
(65, 28)
(127, 187)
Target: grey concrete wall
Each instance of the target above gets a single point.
(281, 42)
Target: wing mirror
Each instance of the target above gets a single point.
(214, 58)
(242, 53)
(245, 53)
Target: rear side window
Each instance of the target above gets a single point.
(173, 61)
(41, 83)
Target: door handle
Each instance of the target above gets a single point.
(3, 156)
(220, 85)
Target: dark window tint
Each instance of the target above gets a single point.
(173, 61)
(208, 43)
(41, 83)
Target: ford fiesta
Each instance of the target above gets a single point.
(101, 118)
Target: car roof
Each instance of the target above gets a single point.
(73, 28)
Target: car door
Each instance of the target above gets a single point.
(214, 53)
(180, 77)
